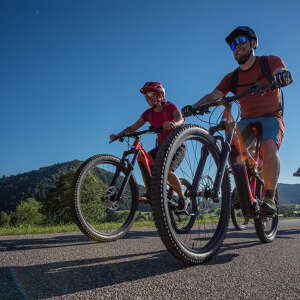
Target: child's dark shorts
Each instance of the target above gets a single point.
(177, 158)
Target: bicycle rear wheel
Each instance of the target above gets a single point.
(237, 215)
(267, 226)
(96, 209)
(205, 237)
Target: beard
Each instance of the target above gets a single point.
(243, 58)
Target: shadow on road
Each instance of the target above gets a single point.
(59, 278)
(285, 233)
(65, 277)
(80, 239)
(42, 243)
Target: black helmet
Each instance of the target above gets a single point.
(241, 30)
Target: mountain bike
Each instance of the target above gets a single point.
(206, 166)
(106, 195)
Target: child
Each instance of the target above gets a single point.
(166, 115)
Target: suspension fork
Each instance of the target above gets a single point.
(130, 167)
(198, 174)
(226, 147)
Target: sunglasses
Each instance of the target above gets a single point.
(238, 41)
(151, 94)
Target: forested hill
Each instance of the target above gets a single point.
(36, 184)
(289, 193)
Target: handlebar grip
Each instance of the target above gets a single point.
(156, 129)
(187, 111)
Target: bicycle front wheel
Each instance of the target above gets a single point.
(207, 230)
(97, 210)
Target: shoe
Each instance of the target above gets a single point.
(145, 199)
(268, 207)
(183, 204)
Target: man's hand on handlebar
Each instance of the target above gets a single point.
(283, 78)
(189, 110)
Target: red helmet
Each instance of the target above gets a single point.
(153, 86)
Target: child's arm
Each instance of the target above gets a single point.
(178, 120)
(134, 127)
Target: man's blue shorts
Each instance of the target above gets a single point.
(270, 126)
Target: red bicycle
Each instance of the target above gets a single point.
(206, 167)
(106, 194)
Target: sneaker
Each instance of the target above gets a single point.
(145, 199)
(268, 207)
(183, 204)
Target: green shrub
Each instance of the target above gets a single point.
(28, 212)
(4, 219)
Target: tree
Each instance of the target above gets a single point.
(4, 219)
(56, 205)
(286, 210)
(28, 212)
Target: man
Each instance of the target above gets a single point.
(264, 109)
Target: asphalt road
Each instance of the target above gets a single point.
(69, 266)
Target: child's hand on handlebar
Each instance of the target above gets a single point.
(169, 125)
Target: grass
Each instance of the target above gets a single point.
(38, 229)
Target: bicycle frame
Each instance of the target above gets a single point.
(234, 150)
(140, 155)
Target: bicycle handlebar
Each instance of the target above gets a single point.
(135, 134)
(256, 89)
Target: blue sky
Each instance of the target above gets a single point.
(71, 70)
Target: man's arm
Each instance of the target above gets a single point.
(278, 70)
(209, 98)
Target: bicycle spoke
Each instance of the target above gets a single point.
(206, 222)
(100, 212)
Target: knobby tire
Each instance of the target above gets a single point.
(78, 215)
(160, 209)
